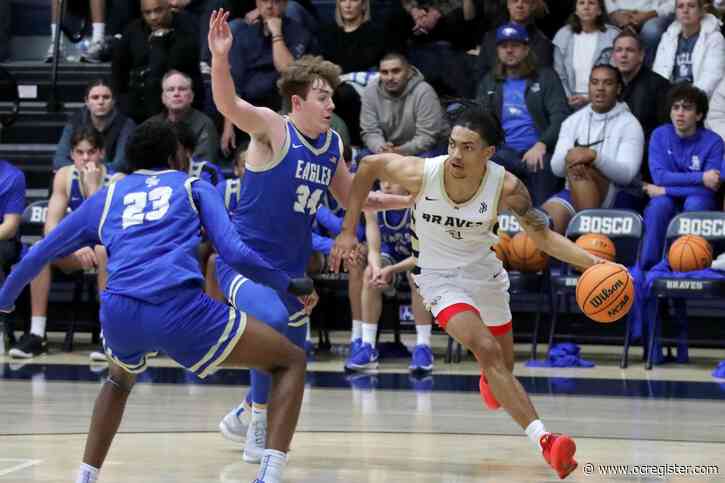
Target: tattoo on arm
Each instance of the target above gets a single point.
(520, 203)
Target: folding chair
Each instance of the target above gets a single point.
(31, 231)
(521, 283)
(625, 228)
(711, 226)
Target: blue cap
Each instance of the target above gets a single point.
(512, 32)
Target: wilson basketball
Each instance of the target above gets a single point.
(502, 248)
(525, 256)
(605, 292)
(598, 245)
(689, 253)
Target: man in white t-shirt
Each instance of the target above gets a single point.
(457, 201)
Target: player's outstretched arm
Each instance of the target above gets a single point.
(516, 198)
(231, 248)
(76, 230)
(257, 121)
(402, 170)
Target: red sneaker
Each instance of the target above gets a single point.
(559, 452)
(488, 398)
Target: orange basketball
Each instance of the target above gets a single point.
(689, 253)
(605, 292)
(525, 256)
(598, 245)
(502, 248)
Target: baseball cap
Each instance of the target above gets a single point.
(512, 32)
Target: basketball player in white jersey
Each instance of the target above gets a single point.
(457, 201)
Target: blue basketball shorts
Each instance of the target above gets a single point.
(194, 330)
(261, 302)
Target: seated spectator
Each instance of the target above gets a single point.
(522, 13)
(685, 161)
(434, 36)
(692, 49)
(260, 52)
(599, 152)
(390, 258)
(644, 91)
(356, 44)
(531, 104)
(151, 46)
(301, 11)
(196, 166)
(72, 185)
(716, 114)
(177, 97)
(100, 113)
(98, 19)
(5, 12)
(586, 41)
(12, 204)
(401, 112)
(649, 18)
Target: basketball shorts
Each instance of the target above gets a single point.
(259, 301)
(194, 330)
(483, 286)
(615, 199)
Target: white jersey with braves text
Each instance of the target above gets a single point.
(449, 235)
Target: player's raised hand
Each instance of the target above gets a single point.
(344, 248)
(220, 35)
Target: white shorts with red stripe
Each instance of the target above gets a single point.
(483, 287)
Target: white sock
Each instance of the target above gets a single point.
(369, 331)
(245, 406)
(259, 414)
(423, 333)
(356, 330)
(272, 466)
(535, 431)
(37, 325)
(53, 31)
(87, 474)
(99, 31)
(309, 332)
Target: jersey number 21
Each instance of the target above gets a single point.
(135, 205)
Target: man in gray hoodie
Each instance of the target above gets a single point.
(401, 112)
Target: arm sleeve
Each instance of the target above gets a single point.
(685, 191)
(716, 114)
(557, 109)
(329, 220)
(428, 121)
(661, 174)
(234, 251)
(560, 67)
(714, 64)
(627, 161)
(16, 196)
(563, 145)
(370, 130)
(62, 150)
(322, 244)
(78, 229)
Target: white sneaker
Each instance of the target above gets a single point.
(256, 441)
(234, 426)
(95, 52)
(49, 54)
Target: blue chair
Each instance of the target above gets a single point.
(711, 226)
(625, 228)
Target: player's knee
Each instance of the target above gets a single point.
(120, 380)
(487, 351)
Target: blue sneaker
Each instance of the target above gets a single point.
(422, 359)
(355, 346)
(363, 359)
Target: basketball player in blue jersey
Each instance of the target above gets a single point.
(457, 201)
(72, 185)
(150, 222)
(291, 163)
(389, 254)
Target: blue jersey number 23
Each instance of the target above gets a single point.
(135, 206)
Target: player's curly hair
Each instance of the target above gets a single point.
(477, 118)
(151, 146)
(303, 72)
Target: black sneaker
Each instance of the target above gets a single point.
(30, 345)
